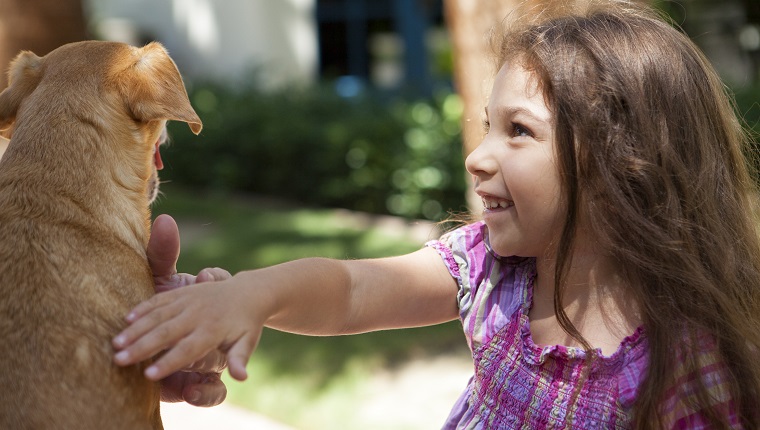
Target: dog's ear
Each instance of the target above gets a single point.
(23, 77)
(153, 89)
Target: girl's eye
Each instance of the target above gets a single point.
(520, 131)
(486, 126)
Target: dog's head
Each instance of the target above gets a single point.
(120, 94)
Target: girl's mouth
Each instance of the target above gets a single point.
(492, 203)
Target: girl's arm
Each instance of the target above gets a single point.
(312, 296)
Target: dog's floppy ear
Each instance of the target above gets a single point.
(23, 77)
(153, 89)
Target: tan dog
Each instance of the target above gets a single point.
(75, 184)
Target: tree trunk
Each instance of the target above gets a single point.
(38, 26)
(470, 23)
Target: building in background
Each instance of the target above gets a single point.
(390, 44)
(219, 40)
(386, 43)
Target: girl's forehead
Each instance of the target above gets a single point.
(517, 89)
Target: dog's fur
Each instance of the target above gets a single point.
(75, 184)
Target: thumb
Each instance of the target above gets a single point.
(163, 246)
(238, 356)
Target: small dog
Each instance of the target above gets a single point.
(76, 181)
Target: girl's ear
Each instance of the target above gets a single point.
(23, 77)
(153, 88)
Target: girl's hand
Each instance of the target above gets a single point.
(189, 323)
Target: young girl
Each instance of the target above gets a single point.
(614, 281)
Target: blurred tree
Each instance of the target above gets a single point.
(38, 26)
(752, 8)
(469, 23)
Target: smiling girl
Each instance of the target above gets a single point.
(614, 281)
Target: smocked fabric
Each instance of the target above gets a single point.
(520, 385)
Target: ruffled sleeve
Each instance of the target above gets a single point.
(491, 288)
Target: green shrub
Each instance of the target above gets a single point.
(367, 153)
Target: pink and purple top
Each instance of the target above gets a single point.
(520, 385)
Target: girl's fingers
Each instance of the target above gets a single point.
(152, 343)
(150, 335)
(239, 354)
(188, 350)
(149, 321)
(156, 301)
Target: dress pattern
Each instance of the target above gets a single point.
(517, 384)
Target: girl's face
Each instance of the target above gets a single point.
(514, 170)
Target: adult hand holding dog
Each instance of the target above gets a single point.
(200, 383)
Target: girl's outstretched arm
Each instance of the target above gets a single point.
(314, 296)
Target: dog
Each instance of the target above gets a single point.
(76, 181)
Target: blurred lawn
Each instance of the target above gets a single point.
(307, 382)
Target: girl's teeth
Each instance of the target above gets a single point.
(493, 204)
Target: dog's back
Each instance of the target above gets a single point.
(74, 223)
(57, 314)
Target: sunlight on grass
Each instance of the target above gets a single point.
(239, 234)
(301, 399)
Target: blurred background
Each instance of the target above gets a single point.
(336, 128)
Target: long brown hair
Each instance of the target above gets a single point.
(650, 151)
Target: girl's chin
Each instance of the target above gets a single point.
(504, 244)
(501, 248)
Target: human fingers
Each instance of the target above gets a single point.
(148, 326)
(196, 388)
(208, 391)
(151, 343)
(168, 283)
(157, 301)
(212, 274)
(188, 349)
(163, 246)
(239, 355)
(215, 361)
(172, 386)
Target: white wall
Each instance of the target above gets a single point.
(220, 39)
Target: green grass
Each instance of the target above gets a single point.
(308, 382)
(240, 234)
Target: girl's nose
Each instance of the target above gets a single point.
(479, 162)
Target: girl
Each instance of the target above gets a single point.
(614, 281)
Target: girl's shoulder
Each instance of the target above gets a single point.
(470, 242)
(492, 289)
(467, 251)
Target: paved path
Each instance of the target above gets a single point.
(416, 395)
(181, 416)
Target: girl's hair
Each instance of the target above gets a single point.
(652, 155)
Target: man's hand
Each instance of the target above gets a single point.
(200, 384)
